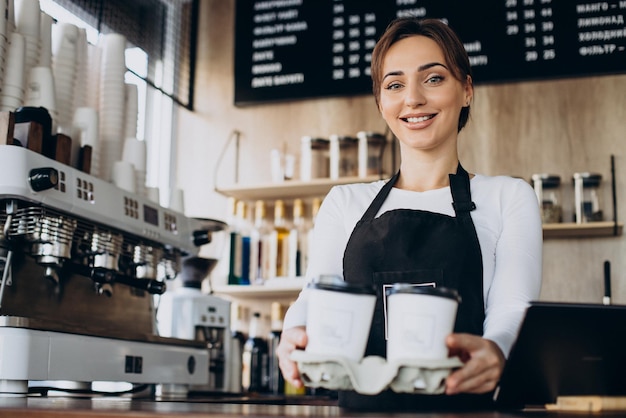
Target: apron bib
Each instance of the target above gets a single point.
(420, 248)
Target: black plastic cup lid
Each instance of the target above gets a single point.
(337, 284)
(445, 292)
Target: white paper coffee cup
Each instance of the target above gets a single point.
(419, 318)
(339, 317)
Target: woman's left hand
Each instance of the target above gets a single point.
(484, 362)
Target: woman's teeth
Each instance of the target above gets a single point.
(420, 119)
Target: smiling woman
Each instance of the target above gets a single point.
(431, 224)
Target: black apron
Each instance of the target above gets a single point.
(418, 247)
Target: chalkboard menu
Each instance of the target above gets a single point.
(294, 49)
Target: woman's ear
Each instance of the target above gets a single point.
(469, 90)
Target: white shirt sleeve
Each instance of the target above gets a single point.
(513, 264)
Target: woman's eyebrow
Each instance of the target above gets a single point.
(421, 68)
(430, 65)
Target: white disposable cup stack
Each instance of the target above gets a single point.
(64, 69)
(177, 200)
(135, 152)
(111, 100)
(131, 104)
(28, 23)
(45, 58)
(14, 80)
(152, 193)
(4, 19)
(85, 132)
(40, 91)
(81, 86)
(123, 176)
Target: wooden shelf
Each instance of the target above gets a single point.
(586, 230)
(271, 289)
(291, 189)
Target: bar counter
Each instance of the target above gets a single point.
(119, 407)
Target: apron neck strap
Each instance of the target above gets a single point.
(459, 186)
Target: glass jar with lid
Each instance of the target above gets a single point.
(344, 155)
(314, 158)
(371, 148)
(587, 197)
(548, 191)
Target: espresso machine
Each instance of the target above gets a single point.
(82, 263)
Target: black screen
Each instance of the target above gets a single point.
(294, 49)
(150, 215)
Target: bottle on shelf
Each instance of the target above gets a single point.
(244, 230)
(259, 245)
(276, 380)
(234, 256)
(279, 243)
(254, 376)
(298, 248)
(239, 337)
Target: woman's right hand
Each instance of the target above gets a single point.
(291, 339)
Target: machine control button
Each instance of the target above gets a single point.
(191, 364)
(44, 178)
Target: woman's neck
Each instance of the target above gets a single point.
(423, 176)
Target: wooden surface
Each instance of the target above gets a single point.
(126, 408)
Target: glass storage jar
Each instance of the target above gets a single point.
(547, 189)
(314, 158)
(344, 154)
(587, 197)
(371, 148)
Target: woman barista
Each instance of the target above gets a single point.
(478, 234)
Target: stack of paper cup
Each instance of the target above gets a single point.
(92, 78)
(135, 153)
(45, 33)
(4, 41)
(177, 200)
(64, 46)
(40, 92)
(14, 80)
(80, 82)
(85, 132)
(112, 100)
(28, 23)
(10, 16)
(123, 175)
(131, 99)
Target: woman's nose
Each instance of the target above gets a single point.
(414, 96)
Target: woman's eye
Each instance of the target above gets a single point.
(393, 86)
(435, 79)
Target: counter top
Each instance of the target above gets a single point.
(56, 407)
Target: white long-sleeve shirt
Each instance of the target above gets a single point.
(508, 225)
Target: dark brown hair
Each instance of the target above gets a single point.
(454, 51)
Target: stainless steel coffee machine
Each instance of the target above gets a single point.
(81, 261)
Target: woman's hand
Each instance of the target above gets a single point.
(484, 362)
(291, 339)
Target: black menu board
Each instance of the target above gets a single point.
(295, 49)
